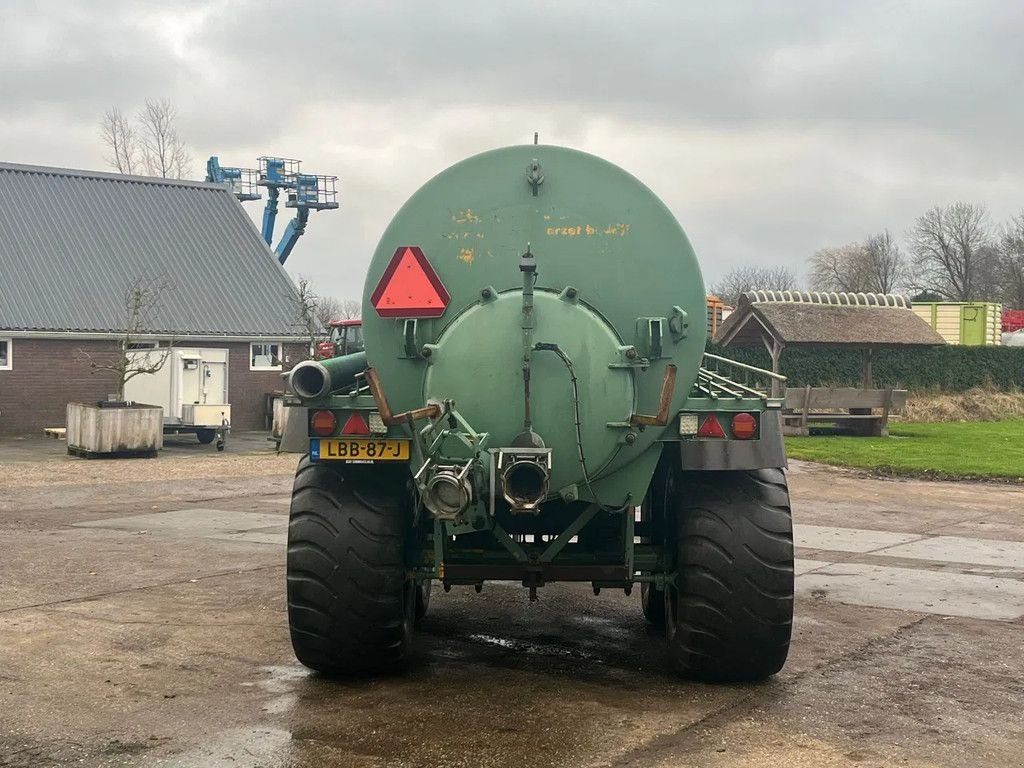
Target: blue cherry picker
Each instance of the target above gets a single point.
(304, 192)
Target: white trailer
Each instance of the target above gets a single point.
(192, 389)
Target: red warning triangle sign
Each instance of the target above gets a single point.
(409, 287)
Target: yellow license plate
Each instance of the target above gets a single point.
(359, 449)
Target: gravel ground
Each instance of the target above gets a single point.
(28, 474)
(32, 462)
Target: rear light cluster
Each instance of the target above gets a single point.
(744, 426)
(322, 423)
(711, 426)
(358, 423)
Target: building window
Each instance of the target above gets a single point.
(265, 356)
(6, 360)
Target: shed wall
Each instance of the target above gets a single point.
(49, 373)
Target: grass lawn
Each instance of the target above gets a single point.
(980, 449)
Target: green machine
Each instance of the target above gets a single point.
(535, 404)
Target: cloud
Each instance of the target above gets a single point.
(771, 130)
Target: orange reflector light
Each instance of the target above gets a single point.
(322, 423)
(409, 287)
(356, 425)
(744, 426)
(710, 427)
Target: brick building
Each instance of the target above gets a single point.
(71, 245)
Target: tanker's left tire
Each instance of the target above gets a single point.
(655, 512)
(351, 607)
(422, 600)
(729, 614)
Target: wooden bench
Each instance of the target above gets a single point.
(846, 408)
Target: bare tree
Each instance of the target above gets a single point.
(1011, 262)
(840, 269)
(150, 144)
(749, 278)
(874, 266)
(885, 266)
(950, 250)
(330, 308)
(307, 305)
(142, 300)
(119, 135)
(350, 309)
(163, 152)
(990, 273)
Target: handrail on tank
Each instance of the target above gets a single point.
(745, 367)
(735, 381)
(728, 385)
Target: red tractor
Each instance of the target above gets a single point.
(346, 337)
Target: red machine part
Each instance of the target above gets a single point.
(1013, 320)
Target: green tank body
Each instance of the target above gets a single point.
(611, 260)
(535, 404)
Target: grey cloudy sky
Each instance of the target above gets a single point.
(770, 128)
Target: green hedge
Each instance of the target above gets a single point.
(950, 368)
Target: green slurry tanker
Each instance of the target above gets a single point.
(535, 404)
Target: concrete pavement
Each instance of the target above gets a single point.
(149, 629)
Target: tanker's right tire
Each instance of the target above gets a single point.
(205, 436)
(729, 615)
(652, 602)
(351, 607)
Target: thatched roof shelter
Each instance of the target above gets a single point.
(779, 319)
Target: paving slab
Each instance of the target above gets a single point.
(199, 521)
(801, 566)
(960, 549)
(905, 589)
(847, 539)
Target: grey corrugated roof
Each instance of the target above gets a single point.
(72, 241)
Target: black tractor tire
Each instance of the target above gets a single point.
(652, 601)
(351, 605)
(422, 600)
(655, 512)
(729, 615)
(205, 436)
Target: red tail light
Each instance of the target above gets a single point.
(356, 425)
(711, 427)
(322, 423)
(744, 426)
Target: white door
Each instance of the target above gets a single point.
(215, 377)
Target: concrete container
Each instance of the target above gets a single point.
(114, 430)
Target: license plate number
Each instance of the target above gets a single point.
(359, 450)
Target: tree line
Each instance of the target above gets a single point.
(951, 253)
